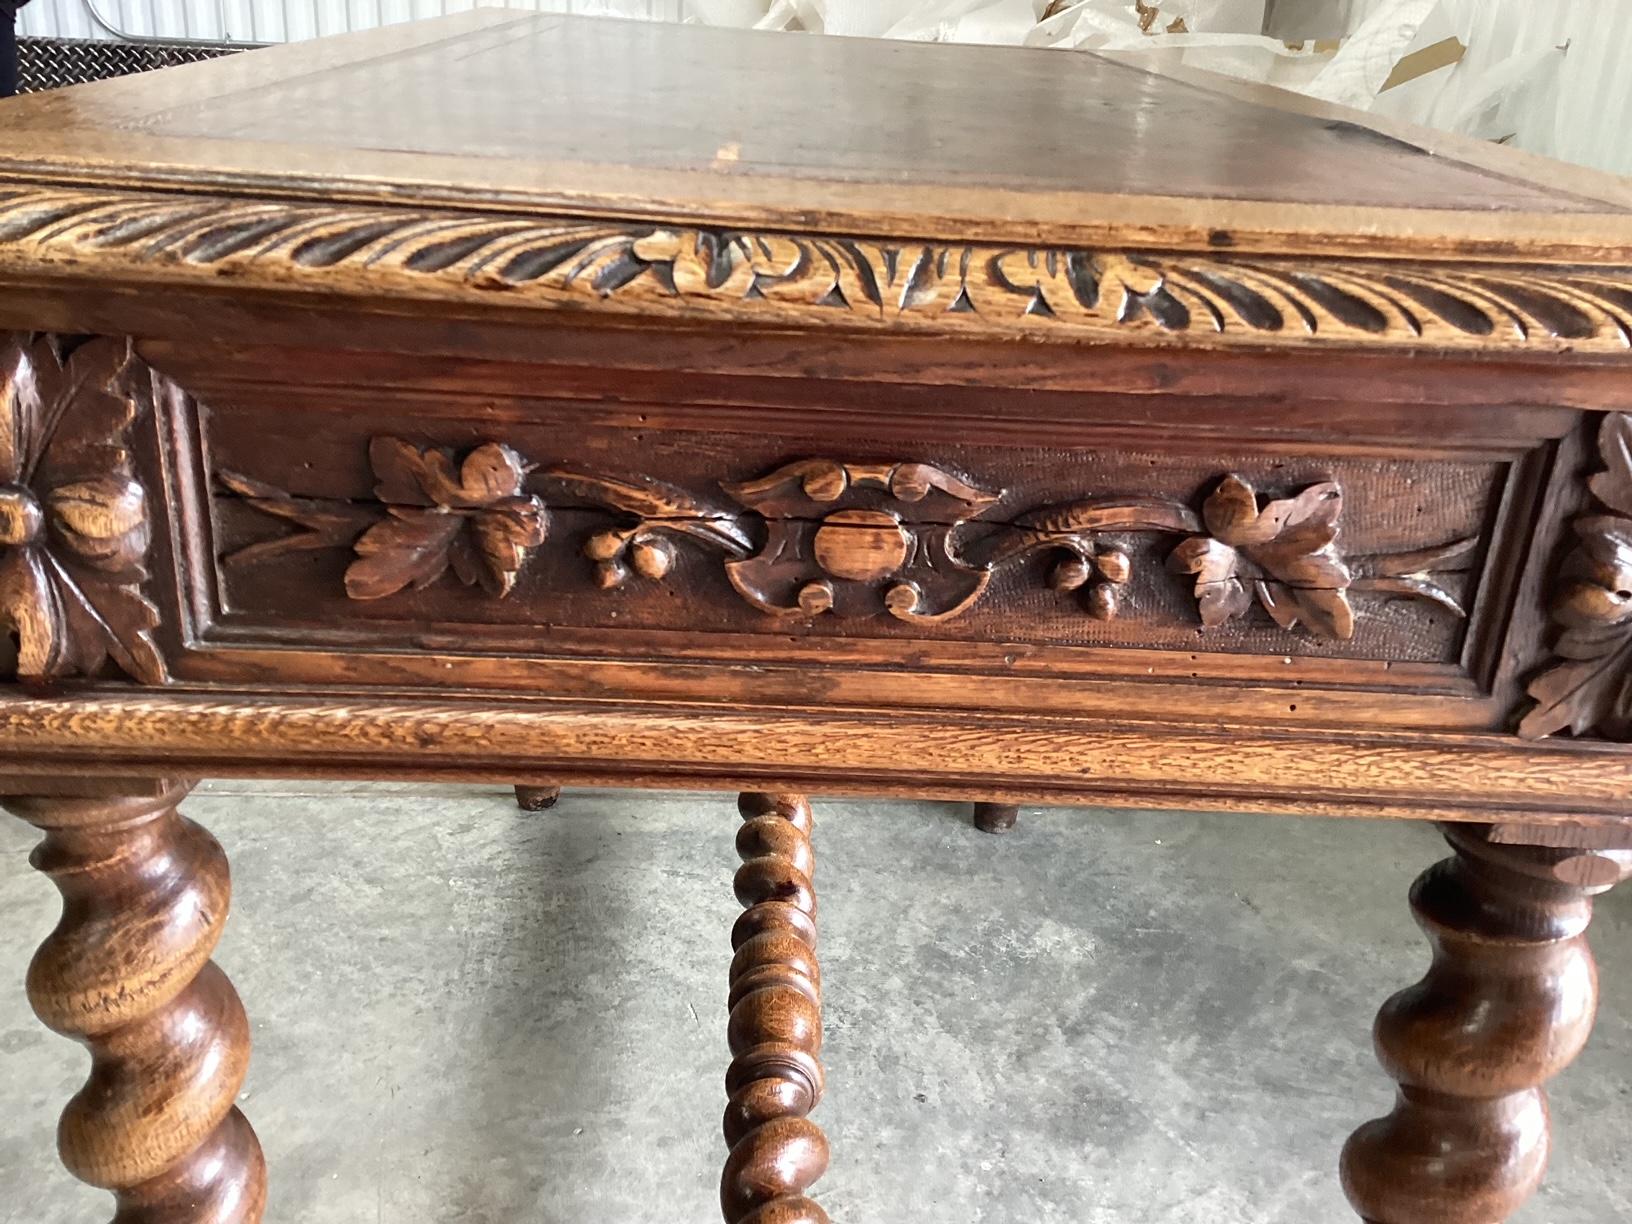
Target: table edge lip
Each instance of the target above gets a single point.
(1145, 293)
(1460, 775)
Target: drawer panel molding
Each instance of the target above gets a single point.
(820, 536)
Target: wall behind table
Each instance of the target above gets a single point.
(1579, 110)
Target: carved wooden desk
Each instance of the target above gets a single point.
(542, 400)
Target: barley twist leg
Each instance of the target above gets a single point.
(775, 1079)
(1507, 1003)
(128, 973)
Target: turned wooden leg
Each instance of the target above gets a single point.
(537, 798)
(1507, 1003)
(775, 1079)
(128, 973)
(995, 817)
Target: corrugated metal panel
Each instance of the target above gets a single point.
(261, 21)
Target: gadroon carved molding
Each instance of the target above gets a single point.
(813, 280)
(853, 539)
(1588, 688)
(74, 519)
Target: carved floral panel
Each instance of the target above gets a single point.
(822, 537)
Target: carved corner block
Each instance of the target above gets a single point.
(75, 519)
(1588, 688)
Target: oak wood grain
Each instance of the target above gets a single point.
(776, 1078)
(1030, 757)
(1507, 1004)
(128, 972)
(387, 256)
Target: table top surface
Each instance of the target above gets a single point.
(836, 134)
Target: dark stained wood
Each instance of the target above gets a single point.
(1585, 691)
(996, 817)
(128, 972)
(1508, 1003)
(598, 403)
(775, 1078)
(537, 798)
(1100, 503)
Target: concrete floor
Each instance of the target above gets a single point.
(469, 1015)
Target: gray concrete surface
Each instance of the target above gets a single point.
(467, 1014)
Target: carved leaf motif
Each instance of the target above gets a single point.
(1220, 593)
(1417, 574)
(1613, 486)
(1590, 689)
(33, 609)
(409, 476)
(502, 535)
(327, 524)
(1283, 551)
(659, 506)
(73, 517)
(637, 270)
(410, 548)
(1581, 696)
(473, 518)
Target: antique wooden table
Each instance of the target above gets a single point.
(544, 400)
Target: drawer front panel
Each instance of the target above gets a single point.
(1368, 558)
(1073, 553)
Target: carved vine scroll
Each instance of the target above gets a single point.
(815, 280)
(838, 538)
(1588, 689)
(74, 519)
(852, 539)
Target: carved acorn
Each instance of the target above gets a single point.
(652, 558)
(1103, 601)
(73, 516)
(1114, 565)
(1069, 573)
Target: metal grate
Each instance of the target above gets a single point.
(49, 63)
(271, 21)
